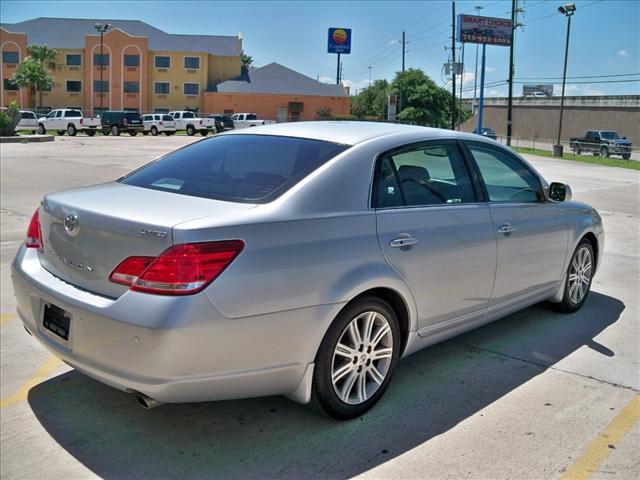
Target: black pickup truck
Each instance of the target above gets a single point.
(603, 143)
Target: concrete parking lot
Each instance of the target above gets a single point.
(535, 395)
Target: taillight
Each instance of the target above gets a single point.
(34, 234)
(82, 121)
(180, 270)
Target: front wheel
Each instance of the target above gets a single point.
(604, 152)
(41, 129)
(356, 358)
(579, 276)
(154, 131)
(577, 151)
(626, 156)
(133, 133)
(115, 131)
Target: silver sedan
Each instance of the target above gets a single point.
(299, 259)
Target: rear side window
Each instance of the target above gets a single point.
(236, 168)
(251, 116)
(73, 113)
(167, 118)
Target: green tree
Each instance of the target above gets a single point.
(35, 71)
(247, 61)
(371, 102)
(421, 100)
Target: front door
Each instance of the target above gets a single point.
(532, 231)
(434, 232)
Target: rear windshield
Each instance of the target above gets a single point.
(236, 168)
(132, 116)
(167, 118)
(27, 115)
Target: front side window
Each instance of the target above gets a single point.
(10, 57)
(428, 174)
(191, 63)
(74, 59)
(100, 86)
(191, 89)
(236, 168)
(131, 87)
(506, 178)
(74, 86)
(162, 88)
(100, 60)
(610, 135)
(132, 60)
(163, 62)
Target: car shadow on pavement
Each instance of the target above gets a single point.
(433, 390)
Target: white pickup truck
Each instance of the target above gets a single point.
(244, 120)
(68, 120)
(186, 120)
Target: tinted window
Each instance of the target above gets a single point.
(191, 62)
(100, 86)
(506, 178)
(29, 115)
(241, 168)
(131, 87)
(162, 88)
(58, 113)
(163, 62)
(191, 89)
(74, 86)
(73, 113)
(147, 118)
(426, 175)
(188, 115)
(251, 116)
(134, 115)
(74, 59)
(10, 57)
(167, 118)
(99, 60)
(132, 60)
(610, 135)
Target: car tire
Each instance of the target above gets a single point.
(72, 130)
(577, 151)
(626, 156)
(604, 152)
(91, 133)
(366, 361)
(576, 289)
(168, 134)
(60, 132)
(133, 133)
(115, 131)
(105, 132)
(191, 131)
(154, 131)
(41, 129)
(145, 133)
(204, 132)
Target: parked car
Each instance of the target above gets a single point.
(602, 142)
(189, 122)
(70, 120)
(223, 122)
(155, 123)
(536, 95)
(28, 122)
(244, 120)
(115, 122)
(273, 261)
(486, 132)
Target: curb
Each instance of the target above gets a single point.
(27, 139)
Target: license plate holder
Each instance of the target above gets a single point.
(57, 320)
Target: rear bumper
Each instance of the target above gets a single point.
(172, 349)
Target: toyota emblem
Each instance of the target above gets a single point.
(71, 224)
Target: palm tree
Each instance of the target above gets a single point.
(33, 74)
(247, 61)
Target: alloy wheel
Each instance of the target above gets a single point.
(580, 275)
(362, 358)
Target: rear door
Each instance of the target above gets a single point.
(531, 231)
(434, 230)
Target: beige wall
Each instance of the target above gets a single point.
(12, 42)
(59, 97)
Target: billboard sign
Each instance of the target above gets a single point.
(536, 90)
(339, 40)
(488, 30)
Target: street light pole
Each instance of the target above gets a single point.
(568, 10)
(102, 28)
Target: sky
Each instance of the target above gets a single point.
(604, 44)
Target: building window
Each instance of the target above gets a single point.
(192, 63)
(100, 86)
(191, 88)
(10, 57)
(100, 60)
(131, 87)
(132, 60)
(9, 85)
(162, 88)
(160, 110)
(74, 59)
(163, 62)
(74, 86)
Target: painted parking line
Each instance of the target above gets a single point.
(599, 449)
(5, 317)
(43, 372)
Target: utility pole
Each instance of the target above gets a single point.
(475, 75)
(403, 50)
(338, 72)
(514, 14)
(461, 83)
(369, 75)
(102, 28)
(453, 62)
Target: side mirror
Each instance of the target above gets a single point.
(559, 192)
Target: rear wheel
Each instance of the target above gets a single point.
(72, 130)
(154, 131)
(168, 134)
(133, 133)
(191, 131)
(579, 276)
(577, 150)
(204, 132)
(91, 133)
(356, 358)
(60, 132)
(145, 133)
(115, 131)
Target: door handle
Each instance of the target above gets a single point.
(506, 229)
(403, 242)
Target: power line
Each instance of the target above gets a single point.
(582, 76)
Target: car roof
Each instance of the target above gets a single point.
(345, 132)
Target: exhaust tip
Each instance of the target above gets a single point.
(146, 402)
